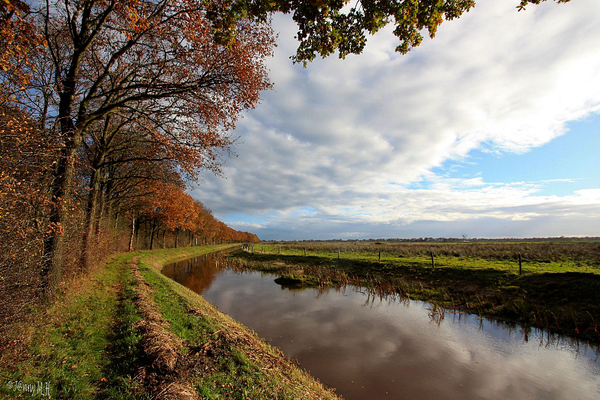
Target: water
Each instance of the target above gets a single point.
(372, 348)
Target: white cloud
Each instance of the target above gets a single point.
(349, 139)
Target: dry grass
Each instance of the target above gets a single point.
(161, 346)
(285, 378)
(577, 252)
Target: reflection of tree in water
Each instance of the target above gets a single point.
(197, 273)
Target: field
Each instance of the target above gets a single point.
(537, 257)
(555, 286)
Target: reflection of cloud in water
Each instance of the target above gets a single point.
(380, 349)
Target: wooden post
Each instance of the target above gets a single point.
(520, 265)
(338, 254)
(379, 257)
(279, 250)
(304, 251)
(432, 261)
(262, 249)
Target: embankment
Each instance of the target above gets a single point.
(128, 332)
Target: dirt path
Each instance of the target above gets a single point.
(164, 375)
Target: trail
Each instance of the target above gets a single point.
(163, 348)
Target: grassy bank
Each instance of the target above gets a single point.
(558, 289)
(128, 332)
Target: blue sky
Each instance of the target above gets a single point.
(491, 129)
(562, 166)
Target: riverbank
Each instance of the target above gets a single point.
(552, 296)
(128, 332)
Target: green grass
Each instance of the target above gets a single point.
(86, 345)
(551, 293)
(238, 359)
(537, 257)
(74, 345)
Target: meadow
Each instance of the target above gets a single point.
(536, 256)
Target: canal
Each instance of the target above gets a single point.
(369, 347)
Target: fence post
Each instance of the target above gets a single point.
(305, 251)
(432, 261)
(520, 265)
(338, 254)
(379, 257)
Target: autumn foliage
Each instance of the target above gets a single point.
(107, 109)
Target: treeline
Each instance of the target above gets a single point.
(172, 218)
(107, 109)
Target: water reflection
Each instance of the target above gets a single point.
(196, 273)
(370, 347)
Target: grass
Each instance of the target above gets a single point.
(91, 343)
(74, 345)
(538, 257)
(558, 290)
(237, 364)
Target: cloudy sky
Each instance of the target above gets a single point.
(492, 129)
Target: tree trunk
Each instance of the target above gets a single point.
(60, 192)
(117, 214)
(100, 209)
(132, 233)
(90, 219)
(152, 231)
(62, 182)
(107, 213)
(137, 234)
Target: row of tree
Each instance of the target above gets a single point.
(107, 108)
(174, 216)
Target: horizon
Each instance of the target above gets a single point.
(449, 239)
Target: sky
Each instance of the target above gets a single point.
(491, 129)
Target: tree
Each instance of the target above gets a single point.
(19, 37)
(327, 26)
(524, 3)
(157, 59)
